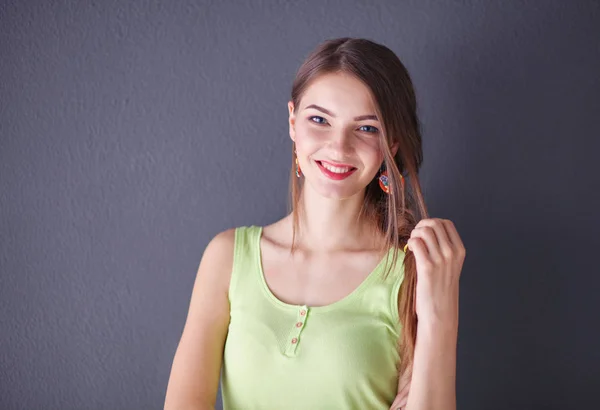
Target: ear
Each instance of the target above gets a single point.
(292, 121)
(394, 149)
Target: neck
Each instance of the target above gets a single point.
(332, 224)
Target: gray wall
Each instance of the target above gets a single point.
(131, 132)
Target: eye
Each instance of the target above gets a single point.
(318, 122)
(373, 130)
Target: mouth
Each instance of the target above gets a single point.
(335, 173)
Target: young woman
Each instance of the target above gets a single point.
(347, 302)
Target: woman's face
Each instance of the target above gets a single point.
(337, 135)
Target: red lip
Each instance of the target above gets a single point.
(333, 175)
(336, 164)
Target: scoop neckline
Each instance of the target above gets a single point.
(343, 301)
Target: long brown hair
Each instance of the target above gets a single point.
(395, 214)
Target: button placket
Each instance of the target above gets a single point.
(294, 337)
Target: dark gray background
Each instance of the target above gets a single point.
(131, 132)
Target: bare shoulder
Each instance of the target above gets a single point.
(217, 259)
(222, 242)
(194, 378)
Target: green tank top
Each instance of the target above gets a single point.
(283, 356)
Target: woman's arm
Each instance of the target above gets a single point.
(433, 383)
(194, 380)
(435, 347)
(439, 255)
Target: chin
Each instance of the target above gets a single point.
(338, 192)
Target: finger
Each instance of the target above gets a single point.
(427, 234)
(445, 240)
(418, 247)
(446, 247)
(457, 243)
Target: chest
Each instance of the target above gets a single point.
(343, 355)
(342, 358)
(315, 280)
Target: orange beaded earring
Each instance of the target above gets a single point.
(385, 187)
(298, 170)
(384, 183)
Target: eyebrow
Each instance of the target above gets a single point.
(326, 111)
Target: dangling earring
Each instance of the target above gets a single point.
(384, 183)
(298, 170)
(383, 180)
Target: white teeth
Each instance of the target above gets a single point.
(337, 170)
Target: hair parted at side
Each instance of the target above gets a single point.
(396, 213)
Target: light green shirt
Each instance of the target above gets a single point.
(282, 356)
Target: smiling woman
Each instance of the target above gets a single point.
(318, 310)
(346, 138)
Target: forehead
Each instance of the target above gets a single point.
(342, 93)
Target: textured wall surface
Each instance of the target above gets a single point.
(131, 132)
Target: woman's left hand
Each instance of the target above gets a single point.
(439, 255)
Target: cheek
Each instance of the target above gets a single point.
(370, 149)
(307, 137)
(371, 144)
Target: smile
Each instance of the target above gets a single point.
(335, 173)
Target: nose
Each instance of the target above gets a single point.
(341, 142)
